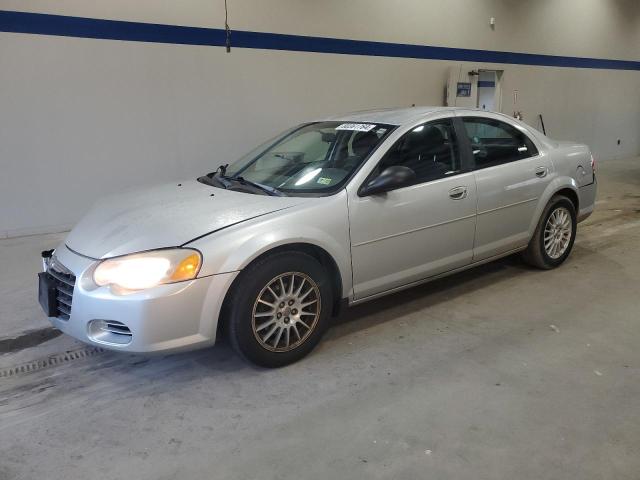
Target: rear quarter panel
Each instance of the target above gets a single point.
(571, 170)
(573, 160)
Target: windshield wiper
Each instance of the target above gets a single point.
(221, 171)
(265, 188)
(220, 176)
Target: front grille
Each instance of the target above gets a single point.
(64, 282)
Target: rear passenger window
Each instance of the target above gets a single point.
(494, 142)
(430, 150)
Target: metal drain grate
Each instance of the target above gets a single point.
(50, 361)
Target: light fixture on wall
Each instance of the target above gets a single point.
(473, 73)
(492, 23)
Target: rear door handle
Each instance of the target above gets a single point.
(458, 193)
(541, 171)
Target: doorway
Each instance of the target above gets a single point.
(468, 87)
(488, 97)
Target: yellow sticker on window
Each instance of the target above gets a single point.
(324, 181)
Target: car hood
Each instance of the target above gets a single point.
(165, 216)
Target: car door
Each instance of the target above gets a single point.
(419, 230)
(511, 176)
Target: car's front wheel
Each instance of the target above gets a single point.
(279, 308)
(554, 236)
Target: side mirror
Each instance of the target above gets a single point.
(390, 179)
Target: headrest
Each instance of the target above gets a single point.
(426, 139)
(363, 142)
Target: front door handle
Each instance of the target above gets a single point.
(458, 193)
(541, 171)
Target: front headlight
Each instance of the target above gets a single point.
(148, 269)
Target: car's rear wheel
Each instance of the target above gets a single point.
(554, 236)
(279, 308)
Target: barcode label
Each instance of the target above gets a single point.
(359, 127)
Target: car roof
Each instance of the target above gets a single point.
(405, 115)
(391, 116)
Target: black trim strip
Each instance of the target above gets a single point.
(81, 27)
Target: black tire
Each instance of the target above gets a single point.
(243, 300)
(536, 254)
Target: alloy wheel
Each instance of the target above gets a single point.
(557, 232)
(286, 312)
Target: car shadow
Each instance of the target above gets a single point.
(221, 359)
(131, 376)
(426, 295)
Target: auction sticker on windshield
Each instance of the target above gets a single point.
(359, 127)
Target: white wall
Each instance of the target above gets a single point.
(80, 118)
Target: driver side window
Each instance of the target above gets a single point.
(430, 150)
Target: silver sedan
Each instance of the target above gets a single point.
(330, 213)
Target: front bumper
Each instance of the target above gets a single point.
(167, 318)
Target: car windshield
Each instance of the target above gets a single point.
(315, 158)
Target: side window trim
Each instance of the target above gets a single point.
(467, 159)
(473, 165)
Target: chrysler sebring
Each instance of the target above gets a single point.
(333, 212)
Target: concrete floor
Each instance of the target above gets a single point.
(502, 372)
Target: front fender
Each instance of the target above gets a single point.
(322, 223)
(559, 183)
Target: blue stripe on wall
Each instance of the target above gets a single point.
(486, 84)
(45, 24)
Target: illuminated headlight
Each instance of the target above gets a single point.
(145, 270)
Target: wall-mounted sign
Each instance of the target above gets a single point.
(464, 89)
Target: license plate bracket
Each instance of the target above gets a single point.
(47, 294)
